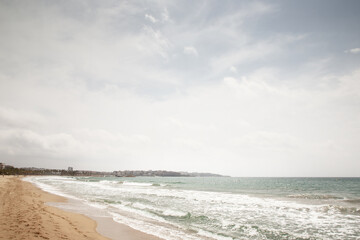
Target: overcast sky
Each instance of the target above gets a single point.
(243, 88)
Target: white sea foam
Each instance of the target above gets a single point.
(50, 188)
(137, 184)
(174, 213)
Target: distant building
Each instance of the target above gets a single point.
(70, 169)
(2, 166)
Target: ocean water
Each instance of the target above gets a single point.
(222, 207)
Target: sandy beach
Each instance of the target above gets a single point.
(24, 215)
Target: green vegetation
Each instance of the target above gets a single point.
(33, 171)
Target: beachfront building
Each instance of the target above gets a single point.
(70, 169)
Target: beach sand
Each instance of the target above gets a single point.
(24, 215)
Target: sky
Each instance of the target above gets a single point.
(241, 88)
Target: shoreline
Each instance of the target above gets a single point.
(28, 212)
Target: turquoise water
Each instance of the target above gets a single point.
(223, 208)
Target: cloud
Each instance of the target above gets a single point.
(11, 118)
(264, 141)
(227, 120)
(165, 15)
(29, 143)
(154, 41)
(151, 18)
(250, 52)
(353, 51)
(349, 85)
(191, 51)
(233, 69)
(106, 88)
(188, 144)
(80, 144)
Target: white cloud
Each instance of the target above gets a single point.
(81, 144)
(190, 50)
(28, 143)
(349, 85)
(354, 51)
(12, 118)
(231, 82)
(233, 69)
(106, 93)
(249, 51)
(165, 15)
(263, 141)
(252, 9)
(151, 18)
(229, 120)
(188, 143)
(154, 42)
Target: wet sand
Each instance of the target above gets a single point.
(24, 215)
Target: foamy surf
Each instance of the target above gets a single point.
(221, 208)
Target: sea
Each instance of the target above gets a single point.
(177, 208)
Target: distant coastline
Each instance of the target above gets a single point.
(10, 170)
(163, 173)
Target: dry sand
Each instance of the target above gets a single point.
(24, 215)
